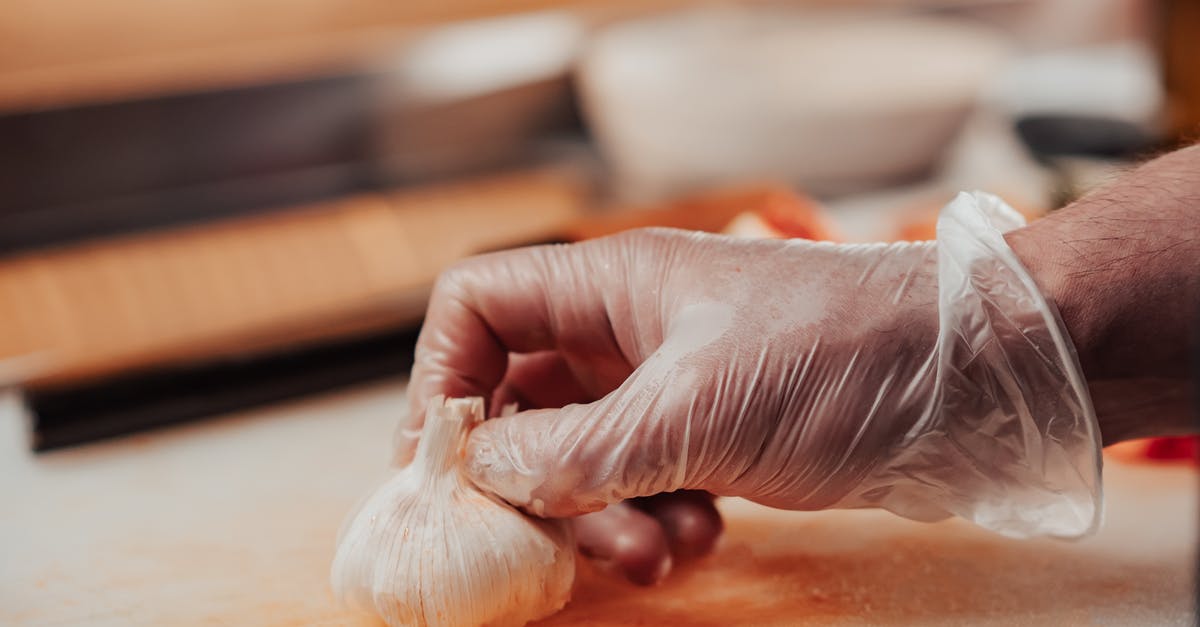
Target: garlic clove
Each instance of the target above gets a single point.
(429, 548)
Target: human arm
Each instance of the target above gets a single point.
(1123, 266)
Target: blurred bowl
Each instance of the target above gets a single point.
(475, 95)
(832, 102)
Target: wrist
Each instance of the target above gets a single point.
(1119, 265)
(1128, 366)
(1046, 259)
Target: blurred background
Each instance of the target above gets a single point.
(212, 204)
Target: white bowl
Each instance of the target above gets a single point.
(831, 102)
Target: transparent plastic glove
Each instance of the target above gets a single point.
(930, 379)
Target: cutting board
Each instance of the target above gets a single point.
(232, 522)
(328, 271)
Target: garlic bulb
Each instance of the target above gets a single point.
(429, 548)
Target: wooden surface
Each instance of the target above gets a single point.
(232, 522)
(69, 52)
(1179, 49)
(352, 265)
(80, 51)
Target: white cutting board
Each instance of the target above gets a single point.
(232, 522)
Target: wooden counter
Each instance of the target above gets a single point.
(257, 283)
(232, 522)
(73, 52)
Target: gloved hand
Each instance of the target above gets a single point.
(930, 379)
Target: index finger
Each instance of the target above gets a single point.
(519, 301)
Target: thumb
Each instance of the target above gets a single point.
(580, 458)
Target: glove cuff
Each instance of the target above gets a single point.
(1009, 440)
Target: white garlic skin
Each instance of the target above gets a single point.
(428, 548)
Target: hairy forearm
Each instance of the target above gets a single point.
(1123, 267)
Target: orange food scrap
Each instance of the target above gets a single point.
(1182, 449)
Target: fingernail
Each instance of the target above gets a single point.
(653, 576)
(664, 569)
(492, 469)
(481, 460)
